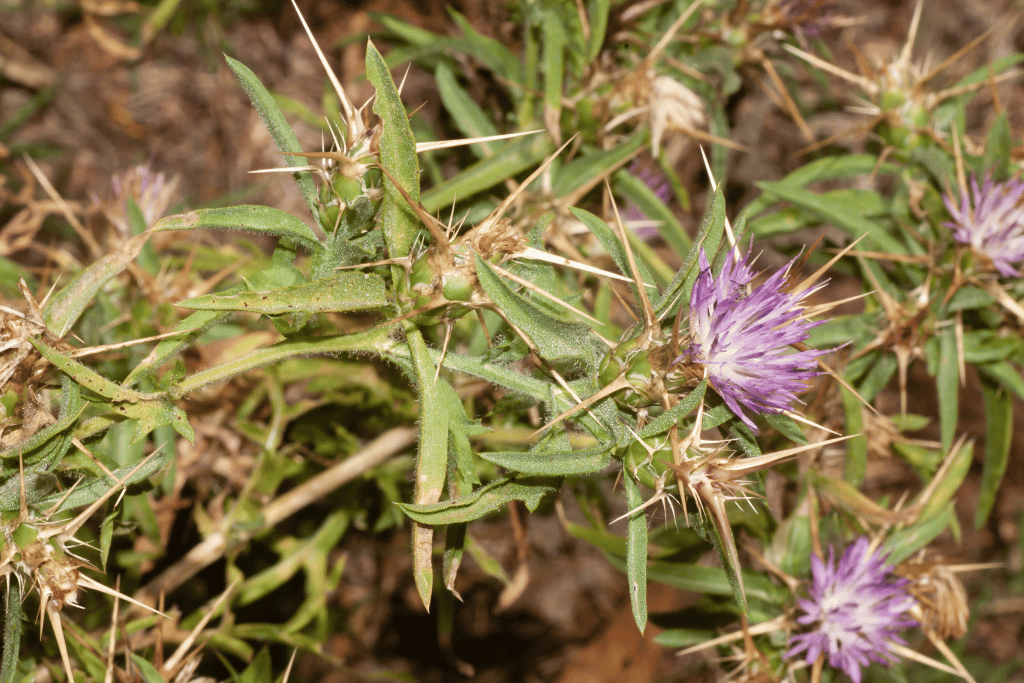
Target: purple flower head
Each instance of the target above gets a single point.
(152, 193)
(991, 221)
(743, 340)
(856, 608)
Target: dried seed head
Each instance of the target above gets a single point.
(940, 595)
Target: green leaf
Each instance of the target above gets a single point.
(857, 447)
(487, 499)
(369, 340)
(264, 220)
(71, 407)
(552, 463)
(1006, 375)
(495, 373)
(87, 377)
(260, 671)
(903, 543)
(598, 17)
(998, 438)
(652, 206)
(560, 343)
(998, 146)
(432, 459)
(584, 169)
(850, 222)
(147, 672)
(510, 160)
(397, 156)
(88, 493)
(636, 552)
(988, 346)
(279, 130)
(13, 616)
(787, 426)
(708, 238)
(948, 385)
(878, 375)
(612, 243)
(968, 298)
(949, 484)
(190, 328)
(493, 53)
(671, 417)
(465, 113)
(714, 581)
(347, 291)
(65, 307)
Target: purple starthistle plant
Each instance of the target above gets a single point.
(857, 608)
(991, 220)
(744, 340)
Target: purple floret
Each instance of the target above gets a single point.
(857, 609)
(991, 220)
(744, 340)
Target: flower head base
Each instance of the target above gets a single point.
(857, 609)
(991, 221)
(743, 340)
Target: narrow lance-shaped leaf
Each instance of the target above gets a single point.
(636, 552)
(485, 500)
(948, 385)
(347, 291)
(552, 463)
(65, 307)
(397, 155)
(370, 340)
(264, 220)
(709, 237)
(278, 128)
(88, 378)
(13, 616)
(998, 438)
(466, 114)
(431, 461)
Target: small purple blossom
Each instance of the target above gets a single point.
(152, 193)
(857, 610)
(991, 221)
(744, 340)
